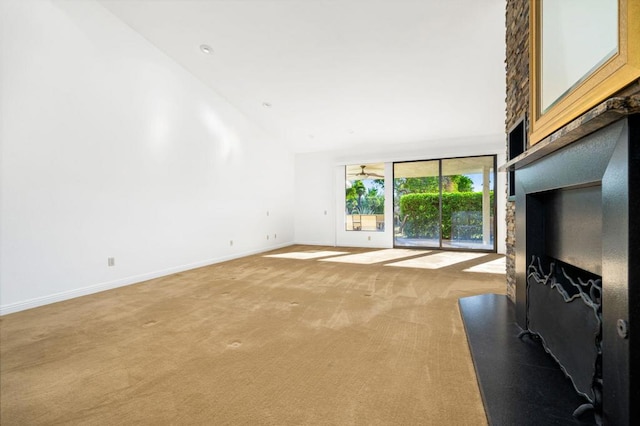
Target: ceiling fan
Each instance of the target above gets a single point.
(366, 175)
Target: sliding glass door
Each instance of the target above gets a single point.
(416, 203)
(447, 203)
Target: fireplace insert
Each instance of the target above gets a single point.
(573, 334)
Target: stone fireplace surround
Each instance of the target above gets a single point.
(593, 163)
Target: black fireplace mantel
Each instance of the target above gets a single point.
(595, 166)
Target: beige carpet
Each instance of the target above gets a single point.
(258, 340)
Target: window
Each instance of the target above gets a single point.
(364, 197)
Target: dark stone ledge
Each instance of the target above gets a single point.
(613, 109)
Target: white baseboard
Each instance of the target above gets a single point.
(96, 288)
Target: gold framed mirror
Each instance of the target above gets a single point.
(581, 53)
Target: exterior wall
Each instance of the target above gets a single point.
(517, 100)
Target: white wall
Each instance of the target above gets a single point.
(315, 207)
(320, 183)
(109, 148)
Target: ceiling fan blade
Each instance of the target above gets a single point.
(363, 174)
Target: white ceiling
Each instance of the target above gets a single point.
(341, 73)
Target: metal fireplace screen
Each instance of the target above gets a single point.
(565, 313)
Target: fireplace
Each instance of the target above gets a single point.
(577, 232)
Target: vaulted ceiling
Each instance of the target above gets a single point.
(335, 74)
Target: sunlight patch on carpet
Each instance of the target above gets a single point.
(375, 256)
(438, 260)
(304, 255)
(497, 266)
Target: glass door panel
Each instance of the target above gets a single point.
(468, 203)
(416, 209)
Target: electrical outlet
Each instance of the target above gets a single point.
(325, 212)
(275, 236)
(267, 237)
(230, 242)
(267, 212)
(111, 261)
(369, 238)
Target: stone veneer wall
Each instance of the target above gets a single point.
(517, 100)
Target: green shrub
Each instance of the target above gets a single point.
(463, 210)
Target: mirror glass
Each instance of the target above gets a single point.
(577, 37)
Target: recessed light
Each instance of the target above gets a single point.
(266, 104)
(205, 48)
